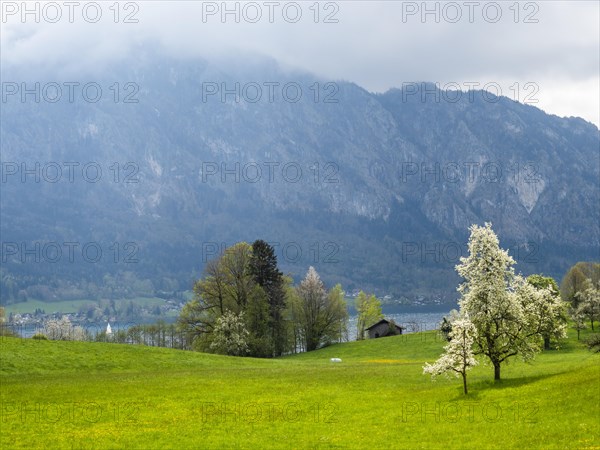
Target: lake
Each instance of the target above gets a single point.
(411, 322)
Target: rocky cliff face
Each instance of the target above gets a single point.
(376, 190)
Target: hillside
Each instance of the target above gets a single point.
(375, 190)
(97, 395)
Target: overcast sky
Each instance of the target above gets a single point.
(553, 46)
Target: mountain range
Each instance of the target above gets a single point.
(159, 163)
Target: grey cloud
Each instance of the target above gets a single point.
(370, 45)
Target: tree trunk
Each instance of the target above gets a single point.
(464, 375)
(578, 331)
(546, 343)
(496, 371)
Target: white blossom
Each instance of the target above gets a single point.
(230, 335)
(62, 330)
(458, 354)
(510, 315)
(589, 301)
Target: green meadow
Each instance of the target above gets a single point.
(101, 395)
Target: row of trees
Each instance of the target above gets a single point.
(577, 279)
(4, 329)
(245, 306)
(581, 289)
(159, 334)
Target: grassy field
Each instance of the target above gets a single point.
(97, 395)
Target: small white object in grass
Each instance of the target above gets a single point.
(336, 360)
